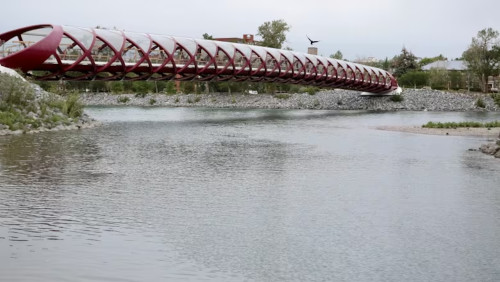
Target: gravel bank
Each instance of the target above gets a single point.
(481, 132)
(413, 100)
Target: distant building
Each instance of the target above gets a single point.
(312, 51)
(457, 65)
(246, 39)
(493, 82)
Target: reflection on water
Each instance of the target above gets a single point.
(230, 195)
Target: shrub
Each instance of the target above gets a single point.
(496, 99)
(152, 101)
(197, 98)
(282, 96)
(464, 124)
(170, 87)
(14, 91)
(116, 87)
(480, 103)
(416, 79)
(72, 106)
(141, 88)
(396, 98)
(311, 90)
(123, 99)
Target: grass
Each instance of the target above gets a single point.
(396, 98)
(21, 110)
(311, 90)
(282, 96)
(464, 124)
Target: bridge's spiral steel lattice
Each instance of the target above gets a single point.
(51, 52)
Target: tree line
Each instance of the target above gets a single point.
(482, 59)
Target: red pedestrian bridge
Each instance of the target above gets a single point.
(54, 52)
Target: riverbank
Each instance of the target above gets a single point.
(26, 108)
(492, 148)
(337, 99)
(480, 132)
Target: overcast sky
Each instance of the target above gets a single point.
(358, 28)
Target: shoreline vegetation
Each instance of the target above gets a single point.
(463, 124)
(26, 108)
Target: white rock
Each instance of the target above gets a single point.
(11, 72)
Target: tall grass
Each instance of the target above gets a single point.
(21, 110)
(463, 124)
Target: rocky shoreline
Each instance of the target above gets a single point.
(82, 123)
(492, 148)
(26, 108)
(412, 100)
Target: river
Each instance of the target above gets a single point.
(193, 194)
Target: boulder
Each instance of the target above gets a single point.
(490, 148)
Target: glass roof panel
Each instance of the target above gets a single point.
(342, 63)
(188, 43)
(115, 38)
(244, 49)
(166, 41)
(333, 62)
(227, 47)
(259, 51)
(323, 60)
(300, 56)
(207, 45)
(274, 52)
(312, 58)
(140, 39)
(83, 35)
(32, 36)
(288, 55)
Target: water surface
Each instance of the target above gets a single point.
(176, 194)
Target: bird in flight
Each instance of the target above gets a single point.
(312, 41)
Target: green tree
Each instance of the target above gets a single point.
(207, 36)
(142, 87)
(457, 80)
(483, 55)
(116, 87)
(404, 63)
(416, 79)
(439, 79)
(338, 55)
(386, 64)
(273, 33)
